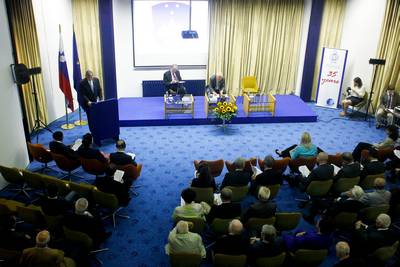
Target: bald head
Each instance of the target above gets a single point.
(235, 227)
(42, 238)
(322, 158)
(342, 250)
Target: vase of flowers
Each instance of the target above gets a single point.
(225, 112)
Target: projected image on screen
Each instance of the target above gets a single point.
(157, 28)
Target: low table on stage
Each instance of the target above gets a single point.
(176, 105)
(259, 103)
(210, 102)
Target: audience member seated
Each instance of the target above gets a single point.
(43, 256)
(83, 221)
(322, 172)
(350, 169)
(190, 209)
(234, 243)
(350, 201)
(269, 246)
(263, 208)
(379, 196)
(269, 176)
(394, 203)
(11, 239)
(372, 165)
(227, 210)
(107, 184)
(203, 177)
(86, 150)
(367, 239)
(180, 240)
(52, 204)
(57, 146)
(320, 238)
(239, 177)
(306, 149)
(392, 135)
(121, 157)
(345, 258)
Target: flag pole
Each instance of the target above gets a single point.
(80, 122)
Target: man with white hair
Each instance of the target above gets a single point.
(234, 243)
(181, 240)
(270, 244)
(343, 254)
(172, 79)
(238, 177)
(43, 256)
(350, 201)
(227, 210)
(263, 208)
(367, 239)
(380, 196)
(216, 85)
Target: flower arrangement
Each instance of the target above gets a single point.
(225, 111)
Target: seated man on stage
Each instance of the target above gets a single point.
(388, 100)
(173, 81)
(355, 95)
(216, 85)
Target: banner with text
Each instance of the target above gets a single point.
(333, 63)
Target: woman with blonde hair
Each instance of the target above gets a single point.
(305, 149)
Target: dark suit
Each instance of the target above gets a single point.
(321, 173)
(372, 168)
(351, 262)
(173, 87)
(366, 241)
(60, 148)
(13, 240)
(232, 245)
(216, 86)
(87, 94)
(121, 158)
(236, 178)
(349, 171)
(203, 183)
(348, 205)
(262, 249)
(91, 153)
(224, 211)
(54, 207)
(109, 185)
(260, 209)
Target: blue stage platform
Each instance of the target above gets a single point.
(149, 111)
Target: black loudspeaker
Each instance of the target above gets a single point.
(377, 61)
(21, 73)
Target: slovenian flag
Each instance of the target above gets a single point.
(63, 77)
(77, 74)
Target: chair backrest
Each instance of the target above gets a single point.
(238, 192)
(11, 205)
(216, 166)
(309, 162)
(62, 185)
(85, 190)
(257, 223)
(345, 184)
(78, 237)
(220, 226)
(9, 257)
(279, 165)
(65, 163)
(93, 166)
(199, 224)
(383, 254)
(368, 181)
(39, 153)
(285, 221)
(222, 260)
(370, 214)
(335, 159)
(31, 214)
(53, 222)
(230, 166)
(319, 188)
(11, 175)
(184, 259)
(204, 194)
(105, 199)
(132, 172)
(309, 257)
(275, 261)
(4, 210)
(345, 220)
(274, 189)
(34, 180)
(249, 84)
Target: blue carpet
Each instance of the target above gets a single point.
(167, 154)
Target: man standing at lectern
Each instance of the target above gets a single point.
(172, 81)
(90, 90)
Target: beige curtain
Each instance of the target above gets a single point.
(389, 49)
(87, 31)
(260, 38)
(27, 48)
(330, 33)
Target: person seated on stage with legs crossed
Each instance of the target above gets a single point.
(216, 85)
(355, 95)
(172, 81)
(389, 100)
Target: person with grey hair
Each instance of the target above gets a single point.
(83, 221)
(216, 85)
(270, 244)
(349, 201)
(345, 258)
(367, 239)
(235, 243)
(269, 176)
(350, 169)
(322, 172)
(89, 90)
(181, 240)
(263, 208)
(239, 177)
(227, 210)
(380, 196)
(43, 256)
(173, 81)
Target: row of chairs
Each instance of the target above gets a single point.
(24, 181)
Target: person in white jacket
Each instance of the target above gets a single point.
(355, 95)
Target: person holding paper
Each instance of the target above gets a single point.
(121, 157)
(90, 90)
(203, 178)
(350, 169)
(173, 81)
(355, 95)
(388, 101)
(57, 146)
(107, 184)
(322, 172)
(216, 85)
(268, 177)
(305, 149)
(227, 210)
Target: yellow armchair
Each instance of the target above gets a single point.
(249, 85)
